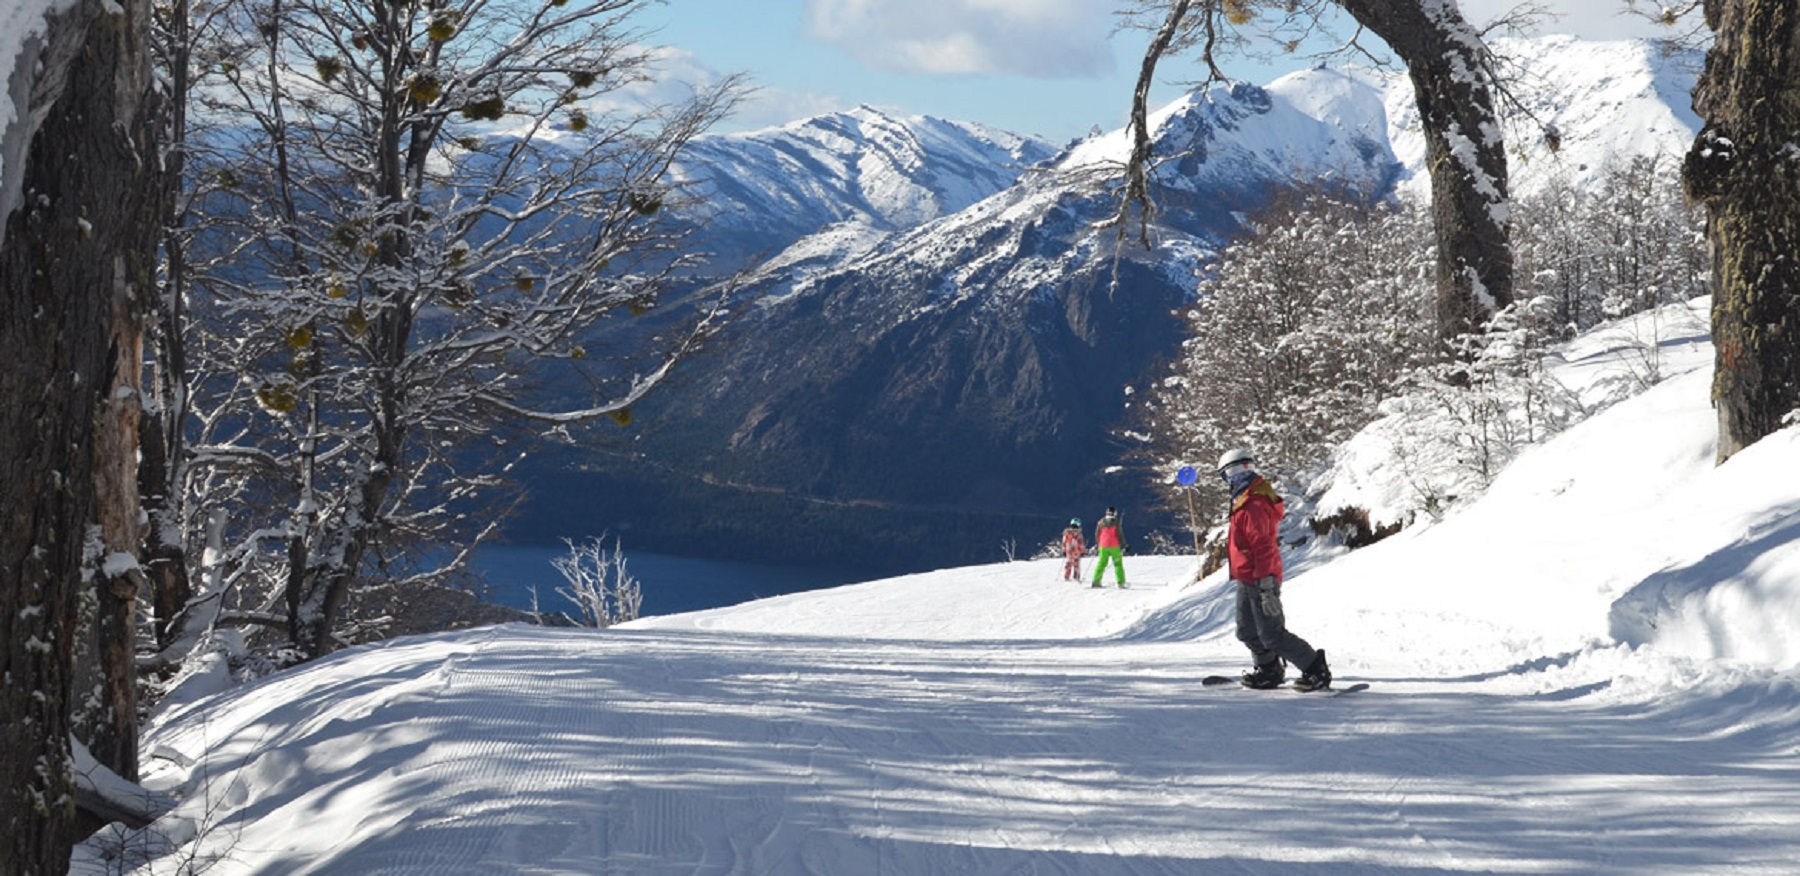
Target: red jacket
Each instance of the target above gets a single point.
(1252, 543)
(1072, 544)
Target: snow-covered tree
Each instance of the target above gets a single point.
(1313, 325)
(1652, 239)
(1742, 167)
(76, 256)
(413, 201)
(1305, 326)
(162, 449)
(1455, 88)
(598, 585)
(1629, 243)
(1625, 244)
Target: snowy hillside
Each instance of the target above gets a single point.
(1608, 101)
(1586, 671)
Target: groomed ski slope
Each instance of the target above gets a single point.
(1590, 671)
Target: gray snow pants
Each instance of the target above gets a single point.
(1262, 625)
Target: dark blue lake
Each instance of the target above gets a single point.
(670, 584)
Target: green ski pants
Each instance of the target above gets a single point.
(1113, 555)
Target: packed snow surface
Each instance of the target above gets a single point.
(1589, 670)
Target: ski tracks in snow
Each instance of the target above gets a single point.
(524, 750)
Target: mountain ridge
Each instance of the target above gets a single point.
(764, 190)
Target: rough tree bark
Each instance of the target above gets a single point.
(68, 259)
(1745, 166)
(1465, 153)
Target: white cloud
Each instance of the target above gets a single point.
(678, 73)
(1024, 37)
(770, 107)
(673, 76)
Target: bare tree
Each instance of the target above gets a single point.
(1454, 86)
(599, 586)
(162, 470)
(1741, 167)
(428, 196)
(75, 256)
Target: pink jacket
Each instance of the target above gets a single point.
(1106, 534)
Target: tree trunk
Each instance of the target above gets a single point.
(328, 585)
(131, 183)
(118, 577)
(67, 261)
(1465, 153)
(162, 469)
(165, 553)
(1743, 168)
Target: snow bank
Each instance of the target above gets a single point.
(1730, 589)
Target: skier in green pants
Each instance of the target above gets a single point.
(1109, 536)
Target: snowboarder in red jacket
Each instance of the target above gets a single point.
(1073, 548)
(1253, 548)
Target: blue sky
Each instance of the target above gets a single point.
(1054, 68)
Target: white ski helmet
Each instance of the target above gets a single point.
(1234, 456)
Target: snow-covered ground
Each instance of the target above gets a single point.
(1590, 670)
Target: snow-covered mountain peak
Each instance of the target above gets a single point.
(1334, 98)
(761, 190)
(1633, 99)
(1605, 101)
(1312, 124)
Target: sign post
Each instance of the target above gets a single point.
(1186, 478)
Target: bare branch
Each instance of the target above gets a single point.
(1137, 167)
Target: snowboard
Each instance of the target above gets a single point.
(1217, 680)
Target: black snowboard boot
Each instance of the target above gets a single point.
(1317, 676)
(1265, 677)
